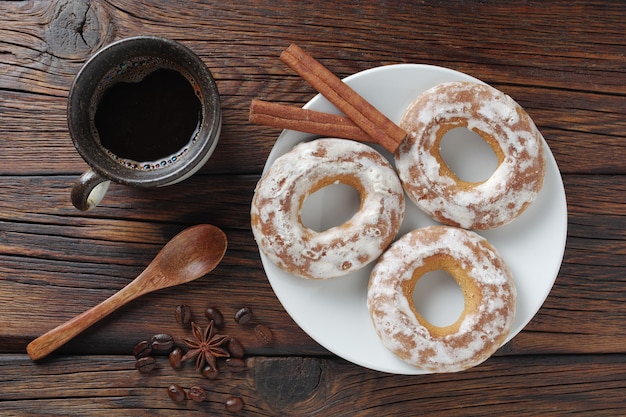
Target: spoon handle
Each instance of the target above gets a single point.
(57, 337)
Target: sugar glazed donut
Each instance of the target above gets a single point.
(340, 250)
(502, 123)
(487, 286)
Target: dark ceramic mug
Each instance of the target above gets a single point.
(144, 112)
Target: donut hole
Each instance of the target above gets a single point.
(467, 155)
(438, 298)
(330, 206)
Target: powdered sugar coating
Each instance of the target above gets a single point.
(487, 285)
(309, 166)
(492, 114)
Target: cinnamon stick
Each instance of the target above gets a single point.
(360, 111)
(305, 120)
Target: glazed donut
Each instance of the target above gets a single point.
(487, 287)
(340, 250)
(502, 123)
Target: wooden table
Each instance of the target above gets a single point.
(564, 62)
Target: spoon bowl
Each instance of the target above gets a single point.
(191, 254)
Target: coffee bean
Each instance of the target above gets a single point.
(176, 393)
(263, 333)
(243, 315)
(145, 364)
(235, 348)
(234, 404)
(236, 364)
(176, 358)
(142, 349)
(183, 315)
(162, 342)
(197, 394)
(209, 372)
(213, 313)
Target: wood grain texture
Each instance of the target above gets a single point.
(564, 62)
(530, 385)
(97, 253)
(576, 75)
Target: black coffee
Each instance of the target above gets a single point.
(150, 121)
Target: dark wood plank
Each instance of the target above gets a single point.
(223, 200)
(72, 274)
(530, 385)
(572, 85)
(89, 256)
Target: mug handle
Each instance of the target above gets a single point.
(88, 190)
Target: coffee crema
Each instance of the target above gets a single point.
(147, 114)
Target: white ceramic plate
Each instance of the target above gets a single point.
(334, 312)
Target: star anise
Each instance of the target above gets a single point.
(205, 346)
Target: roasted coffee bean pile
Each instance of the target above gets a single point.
(234, 360)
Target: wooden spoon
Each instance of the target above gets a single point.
(191, 254)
